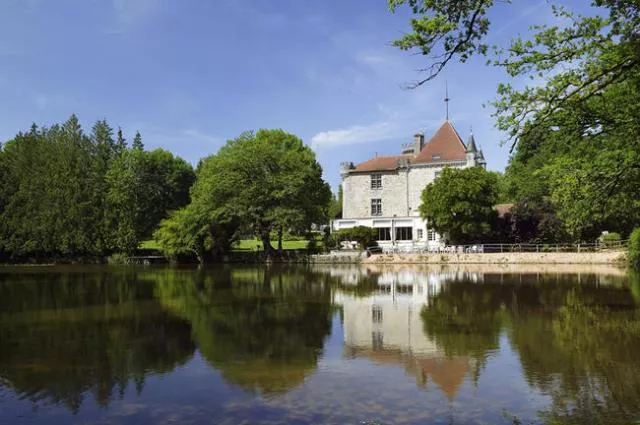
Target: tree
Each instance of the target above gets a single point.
(578, 60)
(142, 188)
(190, 232)
(264, 181)
(460, 204)
(121, 142)
(137, 142)
(536, 223)
(66, 194)
(335, 207)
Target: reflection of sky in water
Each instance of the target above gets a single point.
(379, 366)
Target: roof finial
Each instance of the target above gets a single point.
(446, 97)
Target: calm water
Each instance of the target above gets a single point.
(330, 345)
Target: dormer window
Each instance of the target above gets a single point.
(376, 181)
(435, 157)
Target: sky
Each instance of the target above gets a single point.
(191, 74)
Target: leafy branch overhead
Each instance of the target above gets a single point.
(566, 64)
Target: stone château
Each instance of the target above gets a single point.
(384, 192)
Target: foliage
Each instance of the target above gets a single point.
(263, 329)
(587, 167)
(264, 181)
(460, 204)
(72, 335)
(575, 128)
(579, 59)
(634, 249)
(534, 222)
(366, 237)
(445, 30)
(64, 193)
(335, 207)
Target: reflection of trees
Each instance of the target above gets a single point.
(588, 362)
(263, 329)
(577, 339)
(465, 319)
(64, 334)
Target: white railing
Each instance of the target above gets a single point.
(498, 248)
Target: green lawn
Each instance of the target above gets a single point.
(241, 245)
(255, 244)
(150, 244)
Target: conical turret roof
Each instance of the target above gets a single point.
(471, 144)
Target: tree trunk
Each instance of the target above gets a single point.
(266, 243)
(280, 231)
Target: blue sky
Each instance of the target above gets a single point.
(191, 74)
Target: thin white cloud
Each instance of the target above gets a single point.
(195, 134)
(128, 13)
(356, 134)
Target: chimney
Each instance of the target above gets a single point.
(418, 143)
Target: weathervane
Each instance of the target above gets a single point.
(446, 97)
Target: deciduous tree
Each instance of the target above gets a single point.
(459, 204)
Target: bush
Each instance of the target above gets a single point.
(365, 236)
(611, 238)
(312, 246)
(634, 249)
(117, 259)
(330, 242)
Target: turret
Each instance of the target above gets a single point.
(472, 151)
(480, 160)
(345, 169)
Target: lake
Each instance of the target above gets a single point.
(319, 345)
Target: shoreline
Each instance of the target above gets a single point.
(604, 257)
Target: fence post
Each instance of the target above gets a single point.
(500, 248)
(578, 248)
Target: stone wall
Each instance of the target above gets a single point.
(357, 195)
(400, 192)
(605, 257)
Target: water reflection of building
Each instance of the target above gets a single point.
(385, 327)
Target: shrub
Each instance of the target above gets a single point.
(610, 239)
(634, 249)
(117, 259)
(312, 246)
(365, 236)
(330, 242)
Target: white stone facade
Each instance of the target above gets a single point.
(400, 190)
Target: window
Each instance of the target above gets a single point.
(437, 174)
(420, 233)
(431, 235)
(435, 157)
(376, 207)
(376, 181)
(404, 233)
(384, 233)
(404, 289)
(376, 341)
(376, 314)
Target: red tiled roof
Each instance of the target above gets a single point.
(445, 145)
(381, 163)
